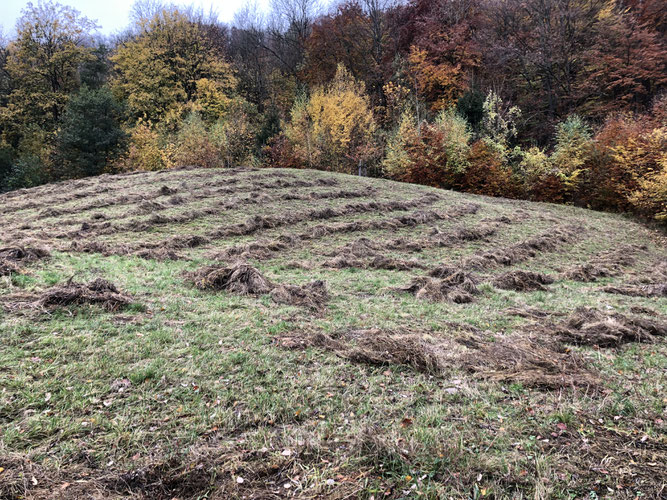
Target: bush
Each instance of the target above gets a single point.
(626, 151)
(279, 153)
(432, 154)
(650, 199)
(456, 139)
(487, 173)
(148, 150)
(234, 137)
(428, 159)
(28, 171)
(193, 146)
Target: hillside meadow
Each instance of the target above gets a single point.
(265, 333)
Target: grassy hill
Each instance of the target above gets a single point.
(295, 334)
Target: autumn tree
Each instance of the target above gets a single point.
(626, 66)
(437, 37)
(43, 62)
(171, 62)
(334, 129)
(355, 35)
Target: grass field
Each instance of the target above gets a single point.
(296, 334)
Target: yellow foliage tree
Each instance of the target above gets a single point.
(334, 129)
(170, 63)
(147, 150)
(651, 197)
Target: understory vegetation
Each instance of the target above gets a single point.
(559, 101)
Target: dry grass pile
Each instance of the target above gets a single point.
(445, 284)
(604, 265)
(366, 254)
(547, 242)
(528, 361)
(413, 349)
(587, 326)
(313, 295)
(11, 258)
(243, 279)
(240, 279)
(99, 291)
(522, 281)
(657, 290)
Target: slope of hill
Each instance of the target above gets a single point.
(299, 334)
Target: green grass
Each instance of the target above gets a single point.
(185, 377)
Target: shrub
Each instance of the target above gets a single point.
(28, 171)
(193, 145)
(456, 139)
(498, 124)
(487, 173)
(627, 151)
(428, 159)
(234, 136)
(147, 150)
(650, 199)
(397, 162)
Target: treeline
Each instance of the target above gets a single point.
(551, 100)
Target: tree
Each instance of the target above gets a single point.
(90, 138)
(289, 27)
(335, 128)
(626, 66)
(437, 37)
(43, 62)
(354, 35)
(162, 68)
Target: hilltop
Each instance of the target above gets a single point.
(262, 333)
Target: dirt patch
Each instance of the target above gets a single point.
(589, 326)
(522, 281)
(623, 460)
(657, 290)
(99, 291)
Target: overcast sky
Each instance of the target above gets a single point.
(113, 15)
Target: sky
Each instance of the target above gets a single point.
(113, 15)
